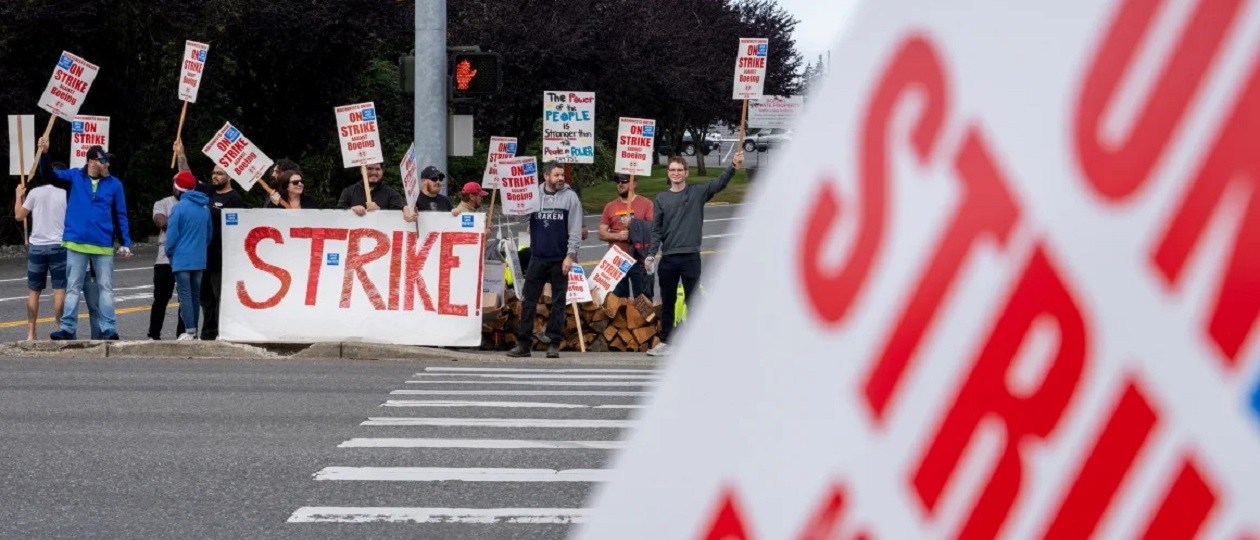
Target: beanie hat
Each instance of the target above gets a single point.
(185, 181)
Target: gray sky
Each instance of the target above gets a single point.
(820, 24)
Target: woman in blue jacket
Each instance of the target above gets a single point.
(188, 232)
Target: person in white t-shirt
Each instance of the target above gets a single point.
(163, 277)
(45, 257)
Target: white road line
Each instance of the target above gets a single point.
(394, 421)
(116, 270)
(503, 404)
(493, 444)
(595, 393)
(116, 290)
(438, 474)
(538, 383)
(723, 219)
(346, 514)
(532, 370)
(557, 376)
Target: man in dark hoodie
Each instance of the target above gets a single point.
(555, 233)
(188, 233)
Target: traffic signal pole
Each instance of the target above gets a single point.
(430, 81)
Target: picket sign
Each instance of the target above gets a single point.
(609, 272)
(191, 67)
(21, 144)
(635, 141)
(64, 95)
(86, 132)
(578, 292)
(360, 136)
(329, 275)
(750, 75)
(411, 181)
(568, 127)
(240, 157)
(1019, 300)
(518, 178)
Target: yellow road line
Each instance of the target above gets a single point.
(124, 311)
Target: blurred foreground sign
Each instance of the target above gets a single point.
(1019, 300)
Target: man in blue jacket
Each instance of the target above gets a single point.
(188, 232)
(95, 203)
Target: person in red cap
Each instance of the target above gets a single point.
(469, 199)
(188, 233)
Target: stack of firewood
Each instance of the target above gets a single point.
(620, 324)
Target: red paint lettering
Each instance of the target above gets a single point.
(356, 260)
(395, 269)
(317, 237)
(450, 262)
(1185, 508)
(414, 282)
(1108, 463)
(831, 291)
(1230, 162)
(827, 520)
(987, 214)
(985, 397)
(251, 250)
(727, 523)
(1118, 170)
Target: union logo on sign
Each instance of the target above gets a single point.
(625, 266)
(369, 115)
(334, 259)
(649, 131)
(76, 126)
(232, 218)
(65, 62)
(466, 221)
(201, 55)
(232, 134)
(761, 49)
(530, 167)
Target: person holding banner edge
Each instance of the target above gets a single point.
(293, 188)
(676, 235)
(555, 233)
(89, 235)
(384, 197)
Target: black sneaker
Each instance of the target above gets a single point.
(110, 336)
(553, 350)
(519, 351)
(61, 335)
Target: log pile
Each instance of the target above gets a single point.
(621, 324)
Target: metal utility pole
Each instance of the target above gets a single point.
(430, 96)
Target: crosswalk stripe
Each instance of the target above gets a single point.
(503, 404)
(593, 393)
(440, 474)
(543, 383)
(501, 422)
(534, 370)
(547, 376)
(343, 514)
(489, 444)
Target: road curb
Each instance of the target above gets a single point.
(297, 351)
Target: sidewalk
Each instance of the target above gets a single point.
(298, 351)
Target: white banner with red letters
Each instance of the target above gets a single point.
(1021, 299)
(242, 160)
(500, 148)
(410, 178)
(609, 272)
(634, 146)
(519, 193)
(68, 87)
(191, 69)
(329, 275)
(86, 132)
(750, 68)
(357, 128)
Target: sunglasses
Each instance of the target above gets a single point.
(295, 182)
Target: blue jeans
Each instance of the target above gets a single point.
(188, 284)
(77, 287)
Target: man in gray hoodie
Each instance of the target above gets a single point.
(555, 232)
(677, 221)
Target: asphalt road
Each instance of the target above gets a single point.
(133, 283)
(109, 448)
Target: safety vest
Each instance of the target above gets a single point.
(680, 305)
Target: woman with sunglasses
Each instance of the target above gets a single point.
(291, 188)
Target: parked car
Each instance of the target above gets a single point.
(765, 139)
(711, 143)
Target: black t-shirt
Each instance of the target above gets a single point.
(219, 201)
(437, 203)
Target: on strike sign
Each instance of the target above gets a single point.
(328, 275)
(411, 181)
(634, 146)
(191, 69)
(360, 139)
(569, 127)
(518, 190)
(500, 148)
(242, 160)
(68, 87)
(579, 291)
(750, 68)
(86, 132)
(610, 271)
(1012, 318)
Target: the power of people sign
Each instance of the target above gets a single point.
(569, 127)
(68, 86)
(1021, 298)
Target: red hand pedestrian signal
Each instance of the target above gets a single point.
(475, 74)
(464, 74)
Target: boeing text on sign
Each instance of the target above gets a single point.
(1021, 301)
(328, 275)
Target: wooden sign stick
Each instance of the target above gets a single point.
(179, 132)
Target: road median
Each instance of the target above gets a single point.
(294, 351)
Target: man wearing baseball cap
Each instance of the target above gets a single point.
(95, 201)
(431, 198)
(469, 198)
